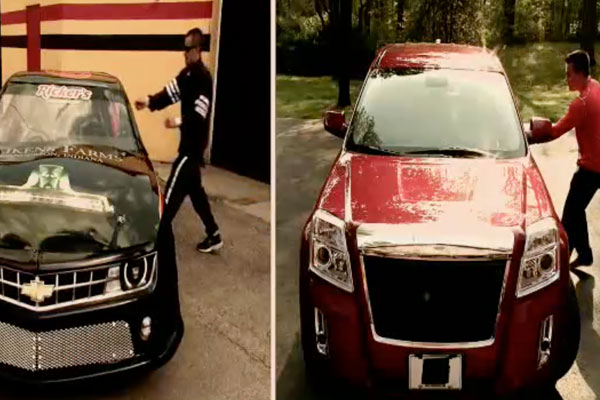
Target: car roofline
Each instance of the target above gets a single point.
(94, 79)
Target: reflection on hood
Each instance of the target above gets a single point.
(50, 185)
(62, 205)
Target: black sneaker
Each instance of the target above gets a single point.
(210, 244)
(583, 260)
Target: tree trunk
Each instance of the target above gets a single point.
(589, 28)
(345, 32)
(509, 21)
(361, 16)
(556, 18)
(320, 9)
(368, 16)
(400, 10)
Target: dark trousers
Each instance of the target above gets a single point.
(184, 180)
(583, 187)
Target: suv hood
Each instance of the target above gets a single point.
(62, 209)
(453, 192)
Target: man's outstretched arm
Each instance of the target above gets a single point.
(570, 120)
(169, 95)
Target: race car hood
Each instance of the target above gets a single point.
(61, 208)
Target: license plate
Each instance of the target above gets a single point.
(435, 372)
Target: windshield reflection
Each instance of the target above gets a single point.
(444, 112)
(42, 114)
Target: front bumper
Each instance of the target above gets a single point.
(505, 364)
(90, 342)
(508, 363)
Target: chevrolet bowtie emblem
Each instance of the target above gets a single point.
(37, 290)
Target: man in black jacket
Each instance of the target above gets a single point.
(193, 87)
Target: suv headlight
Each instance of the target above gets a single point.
(539, 265)
(329, 252)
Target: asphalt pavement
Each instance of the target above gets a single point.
(305, 153)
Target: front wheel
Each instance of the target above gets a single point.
(316, 366)
(572, 335)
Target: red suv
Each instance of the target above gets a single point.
(434, 259)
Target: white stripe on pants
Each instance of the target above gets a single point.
(174, 179)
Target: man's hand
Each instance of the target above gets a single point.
(141, 103)
(541, 130)
(173, 122)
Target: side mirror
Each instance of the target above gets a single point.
(335, 123)
(540, 130)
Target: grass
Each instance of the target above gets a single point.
(537, 76)
(302, 97)
(536, 73)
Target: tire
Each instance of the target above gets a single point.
(545, 392)
(572, 334)
(315, 364)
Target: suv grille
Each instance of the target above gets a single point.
(434, 301)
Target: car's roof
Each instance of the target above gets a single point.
(437, 56)
(66, 77)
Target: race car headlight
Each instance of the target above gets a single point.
(539, 265)
(136, 272)
(131, 274)
(329, 253)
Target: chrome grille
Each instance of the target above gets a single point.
(17, 347)
(86, 345)
(92, 344)
(68, 287)
(432, 301)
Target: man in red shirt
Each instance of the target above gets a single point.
(584, 116)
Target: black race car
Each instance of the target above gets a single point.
(83, 290)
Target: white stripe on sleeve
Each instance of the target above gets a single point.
(170, 93)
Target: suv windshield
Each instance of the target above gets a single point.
(48, 114)
(437, 112)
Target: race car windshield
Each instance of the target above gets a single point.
(34, 113)
(438, 113)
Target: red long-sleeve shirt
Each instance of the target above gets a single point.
(584, 116)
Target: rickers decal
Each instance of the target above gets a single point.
(63, 92)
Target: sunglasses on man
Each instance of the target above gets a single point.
(188, 48)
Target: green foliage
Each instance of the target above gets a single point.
(458, 21)
(536, 72)
(537, 75)
(305, 40)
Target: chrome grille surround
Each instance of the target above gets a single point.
(103, 343)
(72, 287)
(433, 241)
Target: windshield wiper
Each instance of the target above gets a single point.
(67, 241)
(120, 222)
(13, 241)
(455, 151)
(374, 150)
